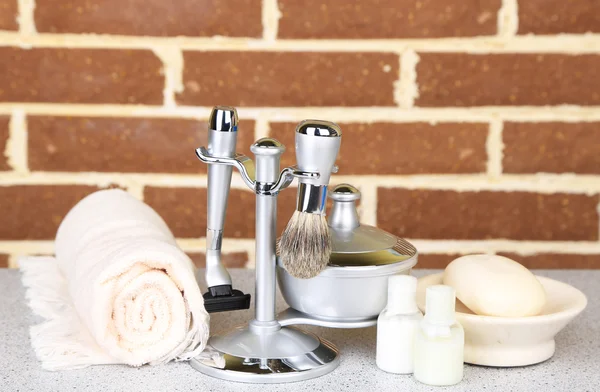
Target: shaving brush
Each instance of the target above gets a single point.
(305, 245)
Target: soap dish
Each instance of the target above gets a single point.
(516, 341)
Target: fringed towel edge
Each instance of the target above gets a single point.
(61, 341)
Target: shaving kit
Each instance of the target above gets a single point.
(349, 291)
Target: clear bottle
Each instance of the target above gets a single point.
(397, 325)
(440, 340)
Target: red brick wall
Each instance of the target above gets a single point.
(469, 126)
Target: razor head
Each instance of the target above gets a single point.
(223, 299)
(223, 119)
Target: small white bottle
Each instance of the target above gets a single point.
(397, 325)
(440, 340)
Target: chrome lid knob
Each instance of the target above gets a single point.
(344, 192)
(344, 216)
(223, 119)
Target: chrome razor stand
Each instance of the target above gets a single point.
(265, 351)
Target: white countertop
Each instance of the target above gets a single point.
(574, 367)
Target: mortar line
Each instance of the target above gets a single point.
(15, 248)
(172, 59)
(533, 183)
(16, 145)
(508, 19)
(12, 261)
(261, 128)
(368, 203)
(26, 18)
(561, 113)
(398, 86)
(494, 146)
(251, 250)
(270, 19)
(598, 214)
(101, 180)
(136, 189)
(406, 89)
(566, 43)
(229, 244)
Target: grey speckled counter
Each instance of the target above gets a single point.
(574, 367)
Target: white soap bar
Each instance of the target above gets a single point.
(493, 285)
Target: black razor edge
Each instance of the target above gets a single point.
(224, 298)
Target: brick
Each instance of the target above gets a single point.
(559, 16)
(435, 260)
(557, 260)
(387, 18)
(3, 261)
(80, 76)
(401, 148)
(4, 133)
(552, 147)
(151, 17)
(454, 79)
(230, 260)
(289, 79)
(184, 210)
(440, 214)
(34, 212)
(121, 144)
(9, 11)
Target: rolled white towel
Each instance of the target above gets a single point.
(119, 291)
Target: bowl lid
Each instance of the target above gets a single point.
(357, 244)
(362, 239)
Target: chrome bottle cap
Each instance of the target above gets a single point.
(223, 119)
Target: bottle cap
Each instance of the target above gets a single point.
(402, 290)
(440, 304)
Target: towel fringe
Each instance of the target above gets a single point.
(120, 290)
(61, 341)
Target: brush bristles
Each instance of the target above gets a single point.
(305, 246)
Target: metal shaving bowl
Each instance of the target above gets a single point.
(353, 287)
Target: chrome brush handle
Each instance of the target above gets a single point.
(317, 146)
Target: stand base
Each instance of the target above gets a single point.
(294, 317)
(284, 355)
